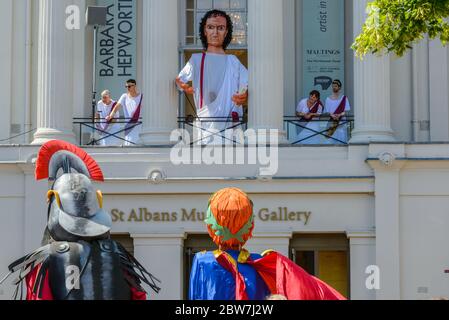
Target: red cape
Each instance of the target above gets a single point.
(283, 277)
(286, 278)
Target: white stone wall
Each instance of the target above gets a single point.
(393, 209)
(415, 116)
(424, 222)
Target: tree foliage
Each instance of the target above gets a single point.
(394, 25)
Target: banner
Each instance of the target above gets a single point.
(323, 45)
(117, 47)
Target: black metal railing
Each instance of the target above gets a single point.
(210, 130)
(323, 130)
(100, 132)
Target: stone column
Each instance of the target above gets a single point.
(266, 66)
(162, 256)
(362, 255)
(387, 195)
(371, 91)
(55, 93)
(160, 68)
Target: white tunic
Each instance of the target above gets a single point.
(130, 105)
(341, 134)
(309, 131)
(224, 76)
(108, 132)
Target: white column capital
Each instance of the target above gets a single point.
(361, 234)
(361, 237)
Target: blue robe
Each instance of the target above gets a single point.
(209, 281)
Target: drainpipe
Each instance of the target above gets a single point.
(415, 104)
(27, 87)
(421, 106)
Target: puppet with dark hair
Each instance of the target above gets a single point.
(233, 273)
(78, 260)
(218, 82)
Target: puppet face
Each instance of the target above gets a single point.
(216, 31)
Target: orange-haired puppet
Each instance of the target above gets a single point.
(232, 273)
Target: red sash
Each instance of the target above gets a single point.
(314, 109)
(113, 106)
(203, 60)
(107, 123)
(240, 286)
(134, 119)
(335, 123)
(342, 107)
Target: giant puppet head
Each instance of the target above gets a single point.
(216, 29)
(230, 219)
(75, 208)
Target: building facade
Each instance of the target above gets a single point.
(369, 217)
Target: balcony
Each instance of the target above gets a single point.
(321, 131)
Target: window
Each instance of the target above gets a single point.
(196, 9)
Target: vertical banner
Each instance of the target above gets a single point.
(117, 47)
(323, 45)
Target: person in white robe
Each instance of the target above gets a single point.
(337, 106)
(309, 110)
(132, 106)
(219, 83)
(108, 132)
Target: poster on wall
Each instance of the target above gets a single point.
(117, 47)
(323, 45)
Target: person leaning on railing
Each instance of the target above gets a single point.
(131, 102)
(309, 110)
(337, 105)
(107, 129)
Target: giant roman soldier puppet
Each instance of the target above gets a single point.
(232, 273)
(78, 259)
